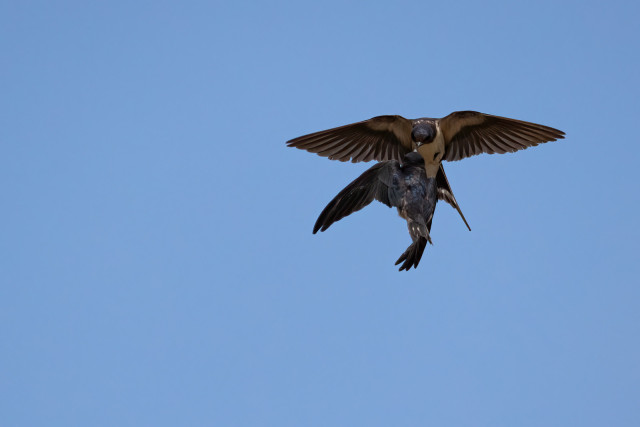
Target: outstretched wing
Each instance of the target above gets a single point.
(467, 133)
(369, 186)
(380, 138)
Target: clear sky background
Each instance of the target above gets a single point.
(157, 261)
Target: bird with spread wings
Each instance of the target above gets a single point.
(459, 135)
(403, 186)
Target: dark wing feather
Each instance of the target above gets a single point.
(380, 138)
(467, 133)
(363, 190)
(445, 193)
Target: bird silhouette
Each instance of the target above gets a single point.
(403, 185)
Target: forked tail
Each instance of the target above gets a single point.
(411, 257)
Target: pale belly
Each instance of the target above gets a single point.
(432, 154)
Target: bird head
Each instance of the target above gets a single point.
(423, 134)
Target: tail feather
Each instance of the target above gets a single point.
(411, 257)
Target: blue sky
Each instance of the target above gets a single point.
(157, 258)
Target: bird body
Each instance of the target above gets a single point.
(432, 153)
(404, 186)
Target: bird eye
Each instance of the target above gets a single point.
(436, 155)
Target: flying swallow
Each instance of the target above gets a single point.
(402, 185)
(460, 134)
